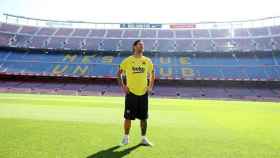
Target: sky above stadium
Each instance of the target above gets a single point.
(143, 10)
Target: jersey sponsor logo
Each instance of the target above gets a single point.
(138, 69)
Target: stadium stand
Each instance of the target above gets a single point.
(207, 40)
(242, 54)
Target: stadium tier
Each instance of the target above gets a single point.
(156, 40)
(195, 66)
(260, 92)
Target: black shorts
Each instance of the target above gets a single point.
(136, 106)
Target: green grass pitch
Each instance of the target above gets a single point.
(53, 126)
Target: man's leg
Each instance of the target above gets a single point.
(129, 114)
(143, 115)
(127, 126)
(143, 125)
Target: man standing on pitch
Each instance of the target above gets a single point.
(136, 69)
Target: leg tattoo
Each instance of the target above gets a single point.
(143, 125)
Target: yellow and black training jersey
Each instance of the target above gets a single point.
(136, 71)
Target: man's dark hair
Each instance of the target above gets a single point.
(135, 43)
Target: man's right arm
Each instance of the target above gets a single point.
(121, 81)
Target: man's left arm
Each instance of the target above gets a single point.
(152, 77)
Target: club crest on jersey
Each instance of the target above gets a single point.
(138, 69)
